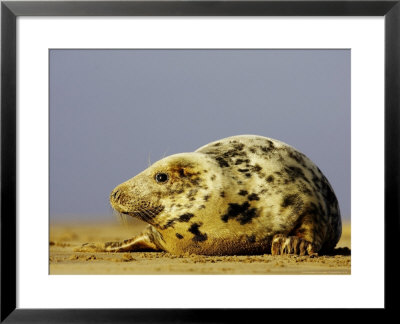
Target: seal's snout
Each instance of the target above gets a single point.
(123, 200)
(115, 199)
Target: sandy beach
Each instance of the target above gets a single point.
(64, 238)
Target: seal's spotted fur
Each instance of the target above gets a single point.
(239, 195)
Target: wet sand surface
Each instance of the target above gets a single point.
(64, 238)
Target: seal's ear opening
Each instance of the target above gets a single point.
(186, 171)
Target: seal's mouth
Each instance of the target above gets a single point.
(146, 215)
(127, 218)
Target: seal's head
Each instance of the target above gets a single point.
(171, 192)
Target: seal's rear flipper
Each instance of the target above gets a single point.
(147, 241)
(282, 244)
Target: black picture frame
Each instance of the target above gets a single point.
(10, 10)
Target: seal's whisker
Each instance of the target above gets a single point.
(150, 216)
(165, 153)
(149, 213)
(145, 213)
(125, 219)
(118, 216)
(143, 216)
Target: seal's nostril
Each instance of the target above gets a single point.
(116, 194)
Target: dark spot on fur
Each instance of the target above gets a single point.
(251, 238)
(195, 181)
(191, 193)
(265, 149)
(294, 173)
(222, 194)
(198, 236)
(206, 197)
(240, 161)
(232, 153)
(222, 163)
(293, 201)
(298, 157)
(304, 189)
(316, 180)
(243, 192)
(202, 207)
(213, 177)
(329, 196)
(225, 154)
(185, 217)
(253, 196)
(170, 223)
(328, 193)
(270, 178)
(217, 144)
(248, 175)
(243, 170)
(271, 144)
(241, 213)
(179, 236)
(289, 200)
(238, 146)
(256, 168)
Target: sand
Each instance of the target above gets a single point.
(64, 238)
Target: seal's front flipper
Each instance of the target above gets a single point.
(139, 243)
(147, 241)
(282, 244)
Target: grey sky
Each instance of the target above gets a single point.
(112, 110)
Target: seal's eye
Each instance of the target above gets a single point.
(161, 177)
